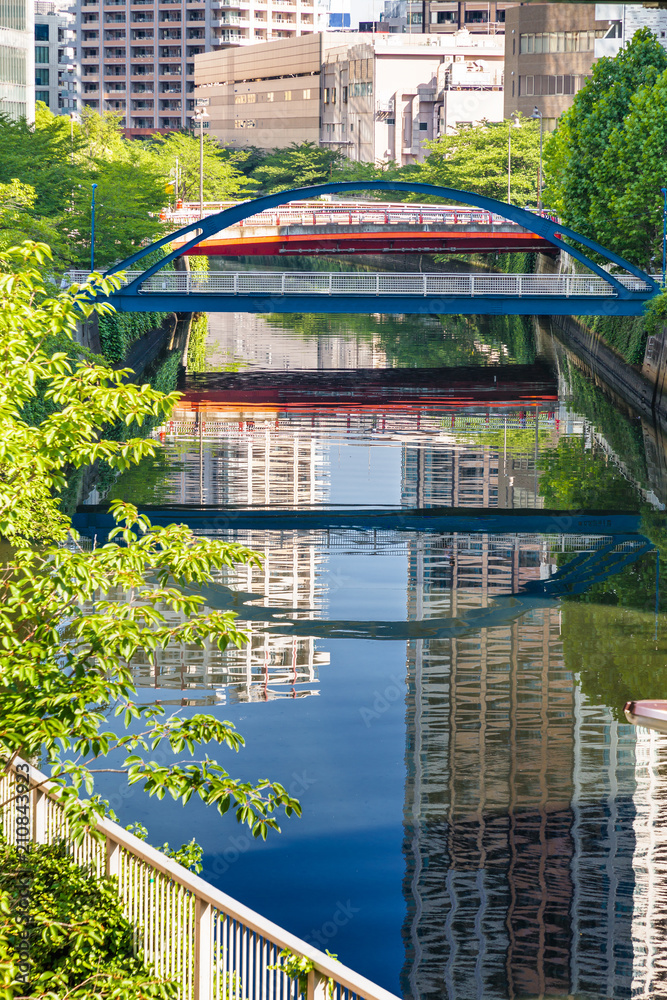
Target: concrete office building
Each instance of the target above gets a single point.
(373, 97)
(137, 56)
(17, 58)
(55, 58)
(549, 51)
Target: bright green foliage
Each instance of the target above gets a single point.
(475, 159)
(41, 155)
(18, 221)
(197, 343)
(298, 967)
(58, 684)
(223, 177)
(81, 944)
(129, 196)
(576, 478)
(605, 161)
(299, 165)
(51, 167)
(118, 331)
(189, 855)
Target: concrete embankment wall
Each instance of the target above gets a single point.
(643, 388)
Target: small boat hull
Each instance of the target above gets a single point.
(651, 714)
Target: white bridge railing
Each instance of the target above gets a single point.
(188, 931)
(245, 283)
(352, 213)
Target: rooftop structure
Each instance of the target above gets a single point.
(373, 97)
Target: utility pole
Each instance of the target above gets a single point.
(200, 114)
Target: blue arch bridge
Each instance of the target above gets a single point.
(595, 293)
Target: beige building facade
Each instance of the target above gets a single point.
(549, 51)
(372, 97)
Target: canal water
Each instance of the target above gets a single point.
(479, 820)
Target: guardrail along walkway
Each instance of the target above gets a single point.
(189, 931)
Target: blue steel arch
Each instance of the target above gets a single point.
(551, 231)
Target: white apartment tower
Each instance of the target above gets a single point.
(137, 56)
(17, 58)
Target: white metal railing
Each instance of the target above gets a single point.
(189, 931)
(351, 213)
(243, 283)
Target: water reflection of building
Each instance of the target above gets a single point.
(518, 836)
(250, 462)
(269, 665)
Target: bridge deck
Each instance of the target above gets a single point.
(292, 291)
(368, 239)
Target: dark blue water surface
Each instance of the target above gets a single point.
(479, 820)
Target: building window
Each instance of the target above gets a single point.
(445, 17)
(306, 95)
(42, 95)
(41, 77)
(361, 89)
(558, 41)
(544, 86)
(41, 53)
(476, 16)
(269, 96)
(326, 95)
(423, 126)
(239, 99)
(41, 32)
(344, 95)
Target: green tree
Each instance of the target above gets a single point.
(18, 221)
(64, 658)
(605, 142)
(223, 176)
(299, 165)
(40, 155)
(475, 159)
(130, 194)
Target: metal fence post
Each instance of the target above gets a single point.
(377, 284)
(236, 283)
(39, 816)
(330, 282)
(203, 984)
(317, 986)
(112, 857)
(472, 284)
(519, 290)
(424, 284)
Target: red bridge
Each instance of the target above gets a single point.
(369, 227)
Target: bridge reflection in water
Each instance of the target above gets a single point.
(531, 836)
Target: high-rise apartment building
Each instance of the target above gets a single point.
(55, 58)
(137, 56)
(17, 58)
